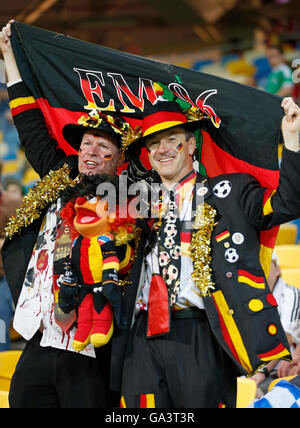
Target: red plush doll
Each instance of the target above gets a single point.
(98, 257)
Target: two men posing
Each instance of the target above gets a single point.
(199, 312)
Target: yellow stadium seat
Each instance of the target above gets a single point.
(246, 392)
(287, 234)
(289, 256)
(291, 276)
(5, 381)
(14, 335)
(4, 400)
(30, 177)
(274, 383)
(8, 362)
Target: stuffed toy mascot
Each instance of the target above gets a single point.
(100, 253)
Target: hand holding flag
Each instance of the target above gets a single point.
(5, 35)
(291, 124)
(8, 54)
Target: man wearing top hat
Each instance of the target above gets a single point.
(200, 311)
(49, 373)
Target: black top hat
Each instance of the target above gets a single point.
(95, 120)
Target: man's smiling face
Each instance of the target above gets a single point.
(99, 153)
(171, 154)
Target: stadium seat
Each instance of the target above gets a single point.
(5, 380)
(274, 383)
(4, 400)
(291, 276)
(287, 234)
(289, 256)
(246, 392)
(8, 362)
(14, 335)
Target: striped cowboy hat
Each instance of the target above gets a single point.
(163, 115)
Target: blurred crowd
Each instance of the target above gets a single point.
(16, 177)
(15, 168)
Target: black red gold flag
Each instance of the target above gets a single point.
(67, 77)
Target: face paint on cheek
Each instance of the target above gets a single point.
(108, 157)
(180, 147)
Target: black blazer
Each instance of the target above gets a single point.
(241, 310)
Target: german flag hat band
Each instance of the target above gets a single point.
(161, 121)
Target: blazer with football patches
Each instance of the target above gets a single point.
(241, 309)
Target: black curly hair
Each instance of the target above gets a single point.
(87, 187)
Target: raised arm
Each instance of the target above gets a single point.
(266, 207)
(11, 67)
(41, 150)
(291, 124)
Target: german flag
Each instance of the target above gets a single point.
(144, 401)
(222, 236)
(90, 259)
(147, 401)
(245, 277)
(21, 104)
(185, 239)
(278, 352)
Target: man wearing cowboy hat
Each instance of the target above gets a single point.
(204, 314)
(49, 373)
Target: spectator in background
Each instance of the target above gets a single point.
(9, 202)
(288, 299)
(3, 97)
(280, 81)
(6, 309)
(10, 148)
(293, 368)
(14, 187)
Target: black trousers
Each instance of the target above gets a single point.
(185, 369)
(53, 378)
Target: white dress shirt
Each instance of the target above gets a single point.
(35, 306)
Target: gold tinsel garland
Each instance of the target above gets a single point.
(130, 135)
(194, 114)
(122, 236)
(201, 248)
(43, 193)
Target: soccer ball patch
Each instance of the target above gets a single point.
(164, 258)
(231, 255)
(171, 217)
(222, 189)
(169, 243)
(170, 230)
(170, 274)
(176, 252)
